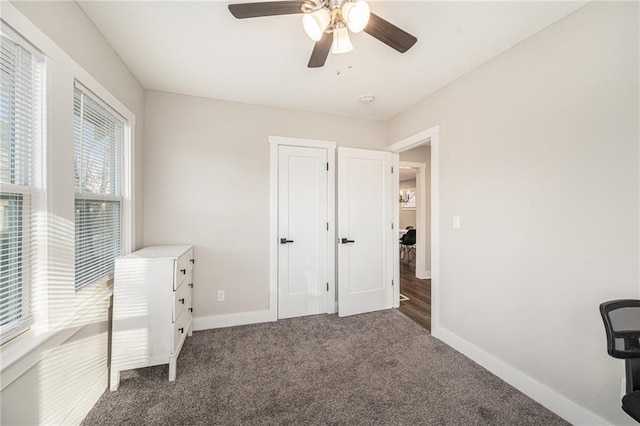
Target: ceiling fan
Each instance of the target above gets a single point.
(328, 22)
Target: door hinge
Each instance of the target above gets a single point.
(327, 226)
(327, 286)
(392, 225)
(327, 166)
(391, 283)
(391, 169)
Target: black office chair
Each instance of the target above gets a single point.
(622, 325)
(408, 244)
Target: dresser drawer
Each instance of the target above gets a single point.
(180, 328)
(184, 266)
(181, 296)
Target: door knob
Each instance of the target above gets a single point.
(285, 241)
(345, 241)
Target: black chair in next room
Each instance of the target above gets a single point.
(622, 325)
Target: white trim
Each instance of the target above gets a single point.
(414, 141)
(88, 400)
(435, 233)
(396, 228)
(330, 146)
(231, 320)
(273, 231)
(547, 397)
(431, 137)
(310, 143)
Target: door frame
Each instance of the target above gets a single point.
(430, 136)
(274, 143)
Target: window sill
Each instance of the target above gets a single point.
(20, 354)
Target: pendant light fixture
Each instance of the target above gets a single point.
(356, 15)
(341, 41)
(338, 17)
(316, 23)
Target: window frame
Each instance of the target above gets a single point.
(125, 210)
(29, 206)
(15, 328)
(56, 320)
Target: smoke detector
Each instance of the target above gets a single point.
(367, 99)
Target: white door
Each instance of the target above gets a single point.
(365, 234)
(302, 229)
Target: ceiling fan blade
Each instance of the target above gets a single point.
(389, 34)
(268, 8)
(321, 51)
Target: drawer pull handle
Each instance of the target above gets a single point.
(184, 271)
(181, 330)
(193, 261)
(190, 309)
(181, 301)
(191, 285)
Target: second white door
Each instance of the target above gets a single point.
(365, 232)
(303, 231)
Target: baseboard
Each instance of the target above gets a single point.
(563, 407)
(424, 275)
(88, 400)
(230, 320)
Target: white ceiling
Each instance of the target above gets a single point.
(199, 49)
(407, 173)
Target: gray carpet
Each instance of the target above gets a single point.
(378, 368)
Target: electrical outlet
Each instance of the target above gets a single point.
(220, 295)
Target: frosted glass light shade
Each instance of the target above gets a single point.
(341, 42)
(315, 23)
(356, 15)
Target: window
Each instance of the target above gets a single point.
(99, 138)
(21, 83)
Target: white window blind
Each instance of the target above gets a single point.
(99, 137)
(21, 71)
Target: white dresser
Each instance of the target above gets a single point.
(152, 310)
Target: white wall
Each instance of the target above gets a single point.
(207, 184)
(539, 156)
(61, 370)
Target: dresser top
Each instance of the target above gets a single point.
(158, 252)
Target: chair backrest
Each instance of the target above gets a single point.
(409, 238)
(622, 325)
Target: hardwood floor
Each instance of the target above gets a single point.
(418, 307)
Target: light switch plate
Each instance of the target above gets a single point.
(456, 222)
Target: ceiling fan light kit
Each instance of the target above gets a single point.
(315, 23)
(356, 15)
(341, 41)
(328, 22)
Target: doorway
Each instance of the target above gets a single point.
(302, 228)
(414, 235)
(428, 192)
